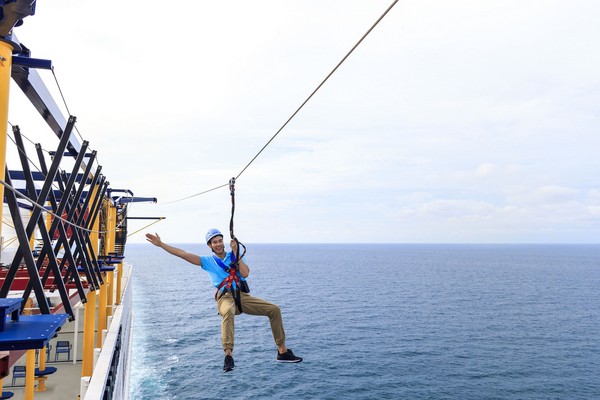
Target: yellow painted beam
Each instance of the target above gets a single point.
(109, 247)
(32, 238)
(41, 387)
(30, 374)
(94, 235)
(102, 302)
(6, 50)
(111, 298)
(111, 225)
(89, 327)
(119, 279)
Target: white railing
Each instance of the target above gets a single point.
(111, 371)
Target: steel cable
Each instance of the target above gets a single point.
(299, 108)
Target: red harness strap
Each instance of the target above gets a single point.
(228, 284)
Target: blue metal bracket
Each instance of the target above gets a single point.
(9, 306)
(31, 62)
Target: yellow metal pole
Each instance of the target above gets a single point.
(6, 50)
(94, 236)
(42, 359)
(32, 238)
(30, 374)
(119, 279)
(111, 226)
(109, 247)
(111, 298)
(89, 326)
(102, 309)
(48, 217)
(90, 313)
(42, 367)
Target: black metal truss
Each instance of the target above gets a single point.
(71, 202)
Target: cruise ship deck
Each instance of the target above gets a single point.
(58, 385)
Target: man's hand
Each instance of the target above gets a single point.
(233, 245)
(154, 239)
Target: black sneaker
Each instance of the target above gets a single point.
(288, 357)
(228, 365)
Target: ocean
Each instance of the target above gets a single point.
(376, 321)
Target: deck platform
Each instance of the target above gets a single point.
(63, 384)
(30, 331)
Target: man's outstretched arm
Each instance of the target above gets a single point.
(189, 257)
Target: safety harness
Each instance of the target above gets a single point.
(232, 283)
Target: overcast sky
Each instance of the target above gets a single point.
(454, 121)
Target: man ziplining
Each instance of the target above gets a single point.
(231, 298)
(228, 275)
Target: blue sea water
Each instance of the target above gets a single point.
(377, 322)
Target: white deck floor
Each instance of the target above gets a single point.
(64, 384)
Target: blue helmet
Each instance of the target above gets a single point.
(211, 234)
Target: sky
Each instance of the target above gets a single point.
(452, 122)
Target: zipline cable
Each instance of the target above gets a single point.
(147, 226)
(64, 100)
(197, 194)
(318, 87)
(299, 108)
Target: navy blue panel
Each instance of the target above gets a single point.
(10, 306)
(40, 177)
(46, 371)
(31, 331)
(103, 268)
(32, 62)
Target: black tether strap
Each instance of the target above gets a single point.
(236, 257)
(237, 242)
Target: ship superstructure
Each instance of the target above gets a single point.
(65, 289)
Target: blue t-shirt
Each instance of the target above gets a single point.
(215, 271)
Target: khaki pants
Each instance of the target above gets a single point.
(252, 306)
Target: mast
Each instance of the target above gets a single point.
(6, 50)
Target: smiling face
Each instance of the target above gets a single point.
(217, 245)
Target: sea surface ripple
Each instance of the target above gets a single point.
(376, 322)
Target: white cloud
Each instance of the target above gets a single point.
(544, 196)
(453, 121)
